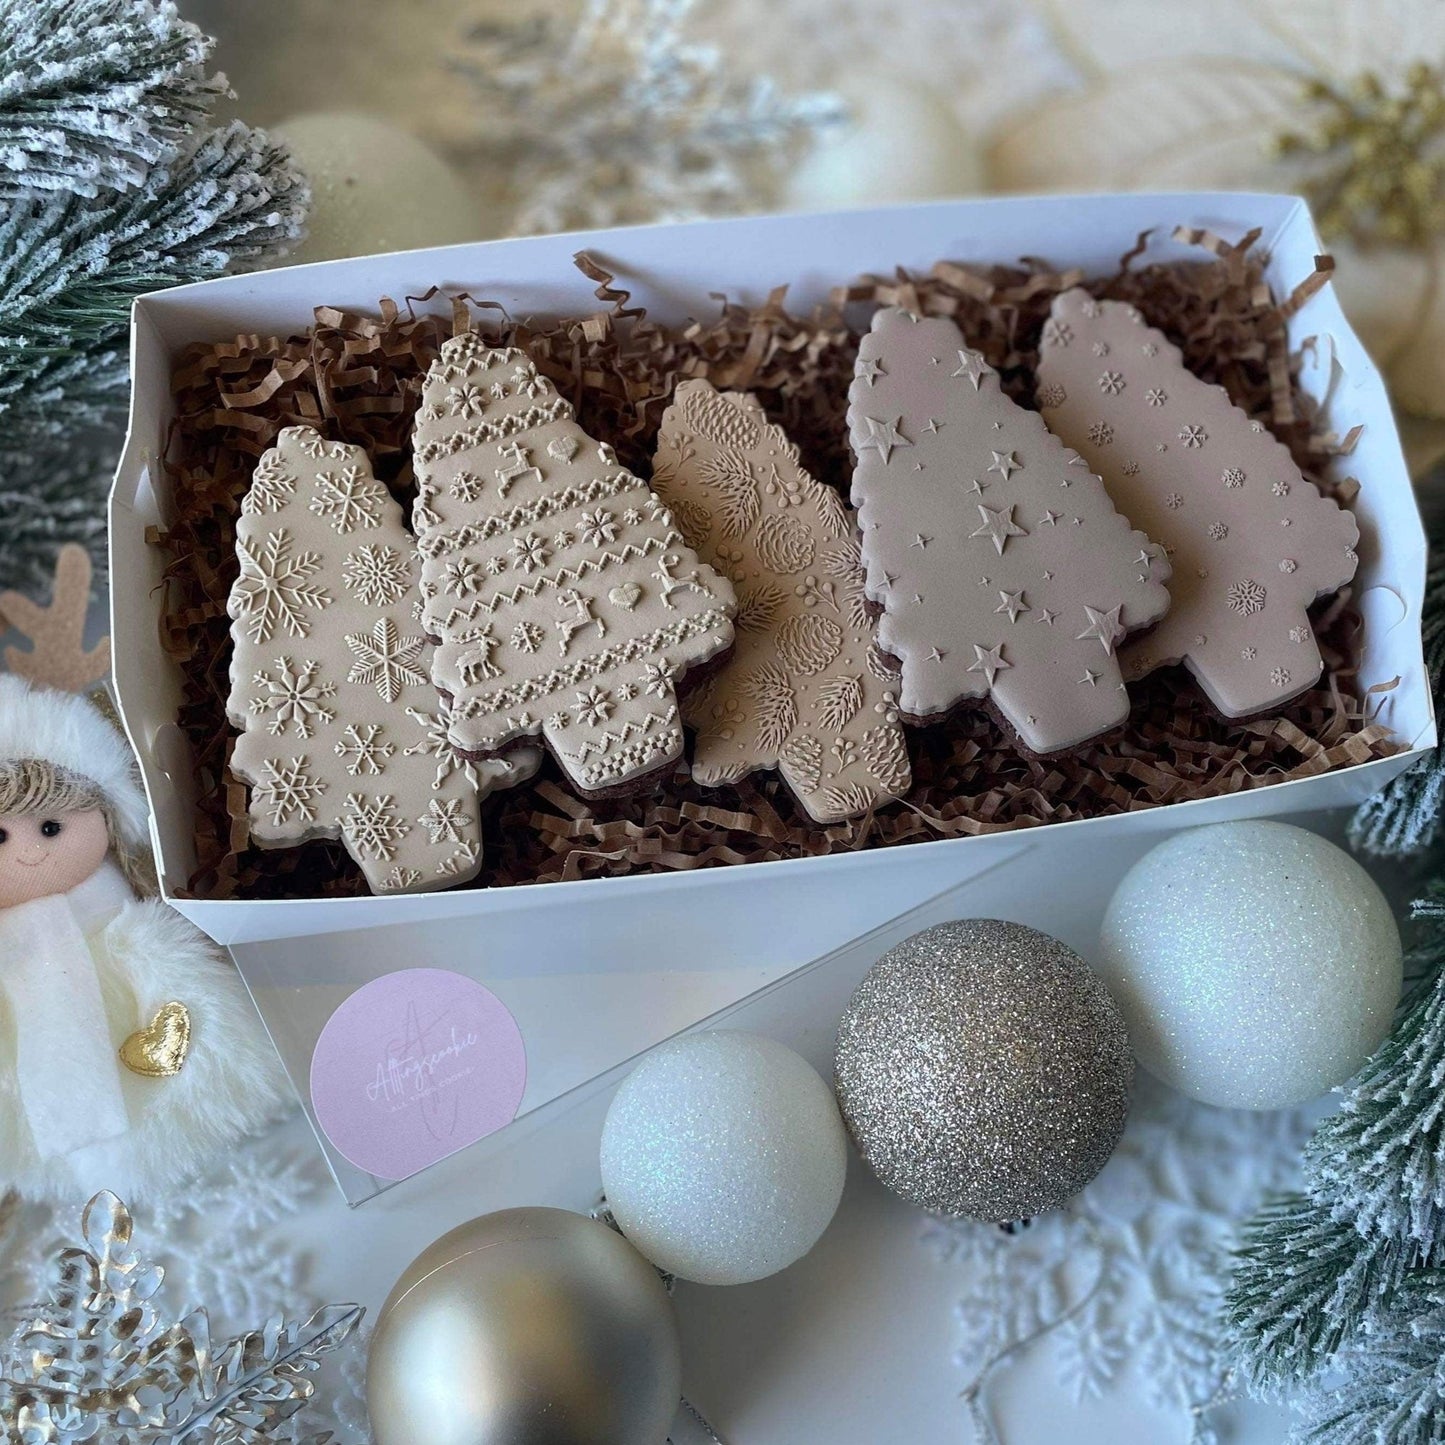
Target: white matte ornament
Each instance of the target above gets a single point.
(375, 188)
(1257, 964)
(903, 144)
(723, 1157)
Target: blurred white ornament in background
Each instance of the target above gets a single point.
(1256, 964)
(375, 188)
(723, 1157)
(901, 144)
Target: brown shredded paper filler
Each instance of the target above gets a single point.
(358, 379)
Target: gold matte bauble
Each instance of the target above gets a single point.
(526, 1327)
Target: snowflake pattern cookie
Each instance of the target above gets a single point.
(804, 691)
(1004, 572)
(342, 733)
(1253, 542)
(563, 597)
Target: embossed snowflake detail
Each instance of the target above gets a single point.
(294, 697)
(1288, 564)
(1111, 383)
(1057, 333)
(1280, 489)
(348, 499)
(462, 577)
(1193, 437)
(1299, 634)
(594, 706)
(1101, 433)
(1218, 531)
(272, 483)
(313, 445)
(1100, 348)
(372, 827)
(466, 486)
(287, 790)
(1174, 501)
(401, 877)
(1232, 477)
(386, 659)
(1054, 395)
(1245, 598)
(1130, 469)
(362, 750)
(377, 576)
(438, 744)
(527, 637)
(598, 527)
(531, 552)
(444, 820)
(1280, 677)
(1249, 653)
(273, 590)
(467, 401)
(1156, 396)
(658, 678)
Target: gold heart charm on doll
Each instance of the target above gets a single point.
(159, 1050)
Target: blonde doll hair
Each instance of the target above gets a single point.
(32, 785)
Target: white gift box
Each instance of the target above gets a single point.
(753, 922)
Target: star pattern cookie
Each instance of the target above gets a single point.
(342, 733)
(1003, 569)
(1252, 541)
(804, 690)
(564, 598)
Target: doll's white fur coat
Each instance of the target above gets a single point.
(231, 1083)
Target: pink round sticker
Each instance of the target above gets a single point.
(414, 1066)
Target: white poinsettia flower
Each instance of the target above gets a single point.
(1190, 97)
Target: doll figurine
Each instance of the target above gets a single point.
(129, 1050)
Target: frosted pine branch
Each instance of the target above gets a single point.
(95, 93)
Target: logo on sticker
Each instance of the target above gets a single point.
(413, 1067)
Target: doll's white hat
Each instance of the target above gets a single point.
(68, 731)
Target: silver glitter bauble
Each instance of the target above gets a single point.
(983, 1069)
(1256, 963)
(526, 1327)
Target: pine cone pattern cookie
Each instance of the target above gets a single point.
(1004, 571)
(342, 733)
(564, 598)
(805, 691)
(1253, 542)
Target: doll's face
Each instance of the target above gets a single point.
(46, 853)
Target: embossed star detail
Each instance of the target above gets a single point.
(1049, 518)
(1090, 676)
(1005, 464)
(1047, 616)
(989, 661)
(1013, 603)
(998, 526)
(933, 425)
(870, 369)
(883, 436)
(971, 366)
(936, 654)
(1104, 626)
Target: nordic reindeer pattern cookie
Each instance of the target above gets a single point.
(564, 598)
(342, 733)
(1253, 542)
(804, 690)
(1004, 571)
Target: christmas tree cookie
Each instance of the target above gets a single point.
(804, 690)
(565, 601)
(342, 733)
(1004, 572)
(1253, 542)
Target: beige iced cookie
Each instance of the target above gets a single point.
(804, 690)
(1003, 569)
(565, 601)
(1253, 542)
(342, 733)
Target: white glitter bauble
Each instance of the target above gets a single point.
(374, 188)
(1256, 963)
(903, 144)
(723, 1157)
